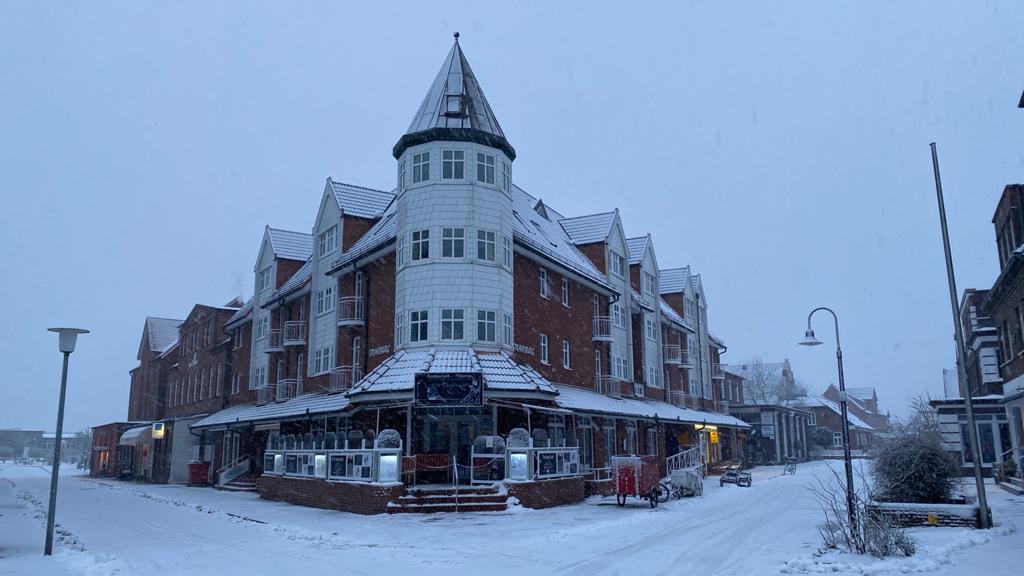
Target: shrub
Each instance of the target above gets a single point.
(914, 468)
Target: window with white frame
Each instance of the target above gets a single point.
(618, 316)
(485, 245)
(325, 301)
(565, 291)
(453, 164)
(453, 323)
(620, 368)
(420, 167)
(653, 377)
(401, 176)
(812, 421)
(420, 244)
(260, 377)
(506, 244)
(265, 279)
(357, 353)
(486, 326)
(399, 329)
(651, 329)
(611, 446)
(508, 329)
(485, 168)
(453, 242)
(401, 251)
(506, 176)
(544, 348)
(629, 442)
(262, 326)
(837, 440)
(565, 355)
(542, 276)
(328, 241)
(618, 263)
(650, 284)
(323, 360)
(556, 430)
(418, 326)
(651, 440)
(236, 383)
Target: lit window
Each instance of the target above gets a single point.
(420, 245)
(418, 326)
(543, 278)
(565, 292)
(452, 324)
(486, 326)
(565, 354)
(453, 242)
(485, 245)
(485, 168)
(544, 348)
(328, 240)
(420, 167)
(453, 164)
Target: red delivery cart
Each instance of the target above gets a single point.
(636, 476)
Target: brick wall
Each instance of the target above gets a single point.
(548, 493)
(356, 497)
(915, 515)
(240, 362)
(205, 367)
(596, 253)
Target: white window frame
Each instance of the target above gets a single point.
(453, 242)
(399, 329)
(328, 241)
(420, 167)
(506, 243)
(506, 176)
(617, 263)
(486, 326)
(650, 284)
(618, 316)
(486, 245)
(566, 361)
(453, 164)
(265, 278)
(325, 300)
(453, 320)
(420, 244)
(485, 168)
(401, 250)
(543, 348)
(508, 329)
(401, 176)
(542, 277)
(565, 291)
(650, 329)
(419, 326)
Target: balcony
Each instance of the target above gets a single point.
(608, 385)
(294, 333)
(639, 390)
(275, 341)
(343, 378)
(602, 328)
(716, 372)
(351, 311)
(685, 360)
(692, 401)
(722, 406)
(673, 355)
(678, 398)
(287, 389)
(265, 394)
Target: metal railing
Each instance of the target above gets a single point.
(351, 310)
(678, 398)
(287, 388)
(717, 372)
(265, 394)
(543, 463)
(673, 355)
(275, 340)
(294, 333)
(692, 401)
(233, 470)
(603, 328)
(692, 458)
(687, 361)
(343, 378)
(608, 385)
(722, 406)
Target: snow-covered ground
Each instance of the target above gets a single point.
(111, 527)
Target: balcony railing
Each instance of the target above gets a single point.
(294, 333)
(686, 361)
(275, 341)
(603, 328)
(287, 389)
(673, 355)
(692, 401)
(722, 406)
(717, 372)
(265, 394)
(343, 378)
(608, 385)
(678, 398)
(351, 311)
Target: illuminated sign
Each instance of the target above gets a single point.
(449, 389)
(158, 430)
(713, 436)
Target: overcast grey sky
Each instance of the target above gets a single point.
(781, 149)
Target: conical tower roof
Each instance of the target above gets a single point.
(455, 109)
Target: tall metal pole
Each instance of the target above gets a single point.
(851, 498)
(55, 472)
(961, 357)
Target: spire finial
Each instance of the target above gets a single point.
(456, 37)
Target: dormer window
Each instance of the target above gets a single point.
(453, 105)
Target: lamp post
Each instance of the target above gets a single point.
(810, 340)
(66, 343)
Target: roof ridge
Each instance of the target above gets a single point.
(586, 216)
(333, 181)
(289, 231)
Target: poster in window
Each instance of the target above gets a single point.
(547, 464)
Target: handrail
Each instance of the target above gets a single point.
(234, 470)
(691, 458)
(233, 463)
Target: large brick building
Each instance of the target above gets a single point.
(453, 329)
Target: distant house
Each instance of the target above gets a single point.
(828, 414)
(18, 443)
(863, 403)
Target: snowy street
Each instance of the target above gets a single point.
(111, 527)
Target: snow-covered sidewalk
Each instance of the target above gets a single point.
(111, 527)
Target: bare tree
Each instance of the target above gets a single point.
(768, 384)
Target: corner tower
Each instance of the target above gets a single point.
(453, 283)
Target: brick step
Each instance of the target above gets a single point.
(451, 499)
(1012, 488)
(432, 508)
(238, 488)
(1016, 481)
(449, 491)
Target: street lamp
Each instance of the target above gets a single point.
(811, 340)
(66, 344)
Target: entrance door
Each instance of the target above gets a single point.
(464, 431)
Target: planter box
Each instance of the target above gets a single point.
(911, 515)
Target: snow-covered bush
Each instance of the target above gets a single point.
(913, 467)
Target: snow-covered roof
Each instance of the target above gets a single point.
(241, 314)
(312, 403)
(360, 201)
(638, 301)
(862, 393)
(297, 281)
(162, 333)
(382, 232)
(588, 401)
(672, 316)
(820, 401)
(455, 102)
(635, 247)
(499, 371)
(291, 245)
(588, 229)
(673, 280)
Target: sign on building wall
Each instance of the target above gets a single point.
(449, 389)
(713, 437)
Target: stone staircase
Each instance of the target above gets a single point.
(1013, 485)
(426, 500)
(244, 483)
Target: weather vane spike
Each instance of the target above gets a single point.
(456, 37)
